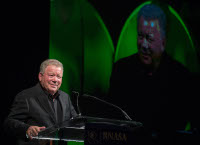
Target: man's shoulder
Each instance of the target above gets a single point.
(129, 58)
(127, 61)
(31, 91)
(63, 94)
(175, 65)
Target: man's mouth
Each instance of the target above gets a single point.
(145, 55)
(145, 51)
(53, 85)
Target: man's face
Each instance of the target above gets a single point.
(150, 42)
(51, 80)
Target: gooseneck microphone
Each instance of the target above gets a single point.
(124, 113)
(77, 104)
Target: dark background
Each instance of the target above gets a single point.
(27, 33)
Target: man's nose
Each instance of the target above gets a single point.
(55, 79)
(144, 43)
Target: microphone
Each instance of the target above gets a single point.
(124, 113)
(77, 104)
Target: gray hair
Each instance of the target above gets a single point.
(152, 11)
(48, 62)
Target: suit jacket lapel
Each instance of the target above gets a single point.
(43, 100)
(63, 106)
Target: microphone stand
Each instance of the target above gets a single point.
(77, 104)
(124, 113)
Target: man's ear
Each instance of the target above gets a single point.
(163, 43)
(40, 75)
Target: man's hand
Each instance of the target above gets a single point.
(33, 131)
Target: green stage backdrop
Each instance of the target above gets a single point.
(80, 40)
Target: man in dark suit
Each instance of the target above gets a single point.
(41, 106)
(150, 85)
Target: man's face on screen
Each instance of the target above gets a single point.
(150, 42)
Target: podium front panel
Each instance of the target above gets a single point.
(110, 134)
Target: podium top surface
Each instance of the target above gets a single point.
(74, 129)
